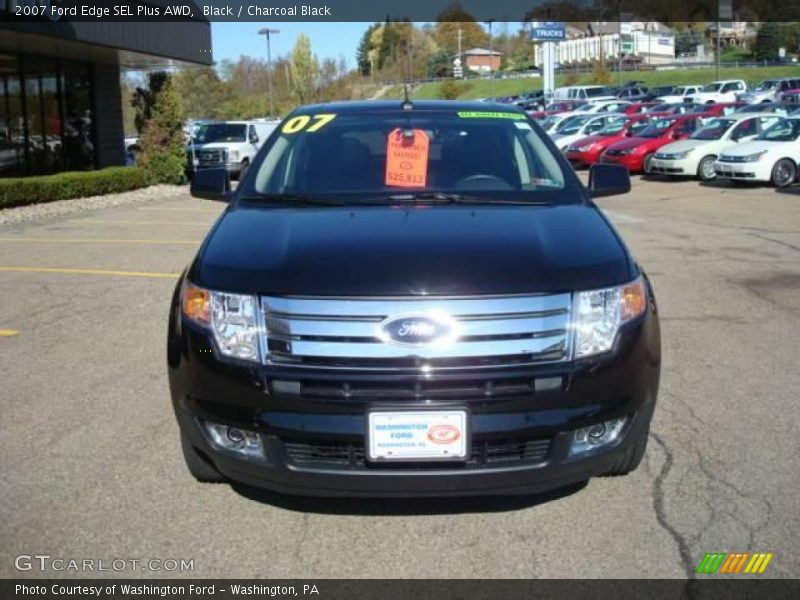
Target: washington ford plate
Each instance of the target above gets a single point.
(420, 435)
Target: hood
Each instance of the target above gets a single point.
(383, 251)
(631, 142)
(683, 145)
(751, 147)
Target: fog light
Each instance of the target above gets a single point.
(234, 439)
(594, 437)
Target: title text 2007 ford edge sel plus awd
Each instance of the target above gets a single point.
(412, 299)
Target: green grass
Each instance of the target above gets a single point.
(484, 88)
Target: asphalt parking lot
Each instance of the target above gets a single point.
(91, 464)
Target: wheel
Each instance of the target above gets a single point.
(243, 170)
(783, 173)
(705, 169)
(628, 462)
(647, 164)
(198, 465)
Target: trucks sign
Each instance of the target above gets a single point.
(548, 31)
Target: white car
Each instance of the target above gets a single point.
(550, 122)
(719, 91)
(583, 92)
(695, 157)
(603, 106)
(772, 156)
(769, 90)
(680, 94)
(229, 144)
(580, 126)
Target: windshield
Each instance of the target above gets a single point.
(680, 91)
(713, 129)
(784, 130)
(616, 125)
(769, 84)
(386, 155)
(550, 122)
(712, 87)
(220, 132)
(572, 124)
(656, 128)
(664, 107)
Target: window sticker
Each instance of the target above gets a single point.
(407, 158)
(488, 114)
(308, 123)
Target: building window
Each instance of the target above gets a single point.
(46, 120)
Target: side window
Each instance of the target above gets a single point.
(744, 129)
(766, 122)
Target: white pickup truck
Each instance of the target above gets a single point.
(681, 93)
(719, 91)
(229, 144)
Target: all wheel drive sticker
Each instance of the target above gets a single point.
(407, 158)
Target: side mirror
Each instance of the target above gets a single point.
(211, 184)
(253, 138)
(608, 180)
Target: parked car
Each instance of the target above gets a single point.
(583, 92)
(634, 93)
(671, 108)
(769, 90)
(764, 107)
(555, 108)
(549, 123)
(638, 107)
(230, 144)
(660, 91)
(680, 93)
(636, 153)
(603, 106)
(328, 339)
(719, 91)
(790, 97)
(771, 157)
(695, 156)
(586, 151)
(579, 126)
(717, 109)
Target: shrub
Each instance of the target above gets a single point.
(163, 156)
(600, 74)
(19, 191)
(449, 90)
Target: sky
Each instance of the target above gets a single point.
(328, 40)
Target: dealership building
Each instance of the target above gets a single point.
(60, 92)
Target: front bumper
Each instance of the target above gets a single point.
(745, 171)
(583, 158)
(662, 166)
(314, 446)
(632, 162)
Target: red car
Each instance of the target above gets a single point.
(555, 108)
(586, 151)
(638, 108)
(635, 153)
(717, 109)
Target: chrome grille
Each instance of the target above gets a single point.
(343, 332)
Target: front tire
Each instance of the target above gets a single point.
(705, 169)
(632, 458)
(243, 170)
(647, 164)
(198, 465)
(784, 173)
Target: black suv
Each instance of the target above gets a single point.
(409, 299)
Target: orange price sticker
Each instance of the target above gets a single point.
(407, 159)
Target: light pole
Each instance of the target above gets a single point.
(267, 31)
(489, 23)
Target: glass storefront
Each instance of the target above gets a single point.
(46, 114)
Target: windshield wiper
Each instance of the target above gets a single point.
(293, 199)
(451, 198)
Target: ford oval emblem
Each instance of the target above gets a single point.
(418, 330)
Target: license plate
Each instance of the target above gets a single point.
(422, 435)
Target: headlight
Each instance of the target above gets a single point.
(628, 150)
(753, 157)
(234, 155)
(600, 313)
(232, 318)
(674, 155)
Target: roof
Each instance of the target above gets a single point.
(481, 52)
(358, 106)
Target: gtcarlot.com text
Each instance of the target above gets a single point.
(46, 562)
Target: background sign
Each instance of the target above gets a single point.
(548, 31)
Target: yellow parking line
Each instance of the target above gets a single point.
(8, 332)
(91, 272)
(102, 222)
(99, 241)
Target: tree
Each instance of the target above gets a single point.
(363, 57)
(163, 156)
(304, 70)
(450, 21)
(439, 64)
(767, 41)
(144, 98)
(201, 90)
